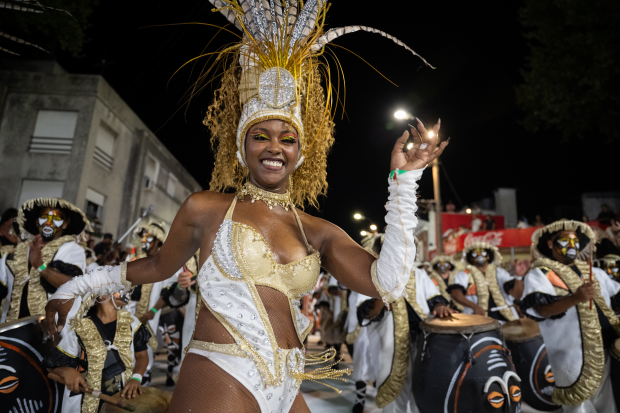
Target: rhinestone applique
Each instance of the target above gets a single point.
(222, 249)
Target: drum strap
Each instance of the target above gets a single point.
(472, 361)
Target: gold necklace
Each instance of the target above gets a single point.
(270, 198)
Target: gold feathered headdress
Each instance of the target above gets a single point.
(274, 72)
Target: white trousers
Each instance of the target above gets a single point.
(602, 401)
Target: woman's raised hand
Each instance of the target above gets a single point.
(423, 151)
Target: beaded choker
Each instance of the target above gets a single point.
(270, 198)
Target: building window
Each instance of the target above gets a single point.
(171, 187)
(40, 189)
(53, 132)
(95, 202)
(104, 149)
(151, 170)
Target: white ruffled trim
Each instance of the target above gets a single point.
(100, 281)
(398, 251)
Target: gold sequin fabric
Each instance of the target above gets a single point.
(37, 297)
(96, 352)
(486, 283)
(593, 367)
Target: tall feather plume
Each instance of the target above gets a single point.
(333, 34)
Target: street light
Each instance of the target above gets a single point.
(363, 233)
(431, 134)
(468, 210)
(409, 145)
(373, 227)
(358, 216)
(400, 114)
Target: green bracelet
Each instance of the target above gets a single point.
(154, 310)
(135, 378)
(400, 172)
(43, 267)
(178, 286)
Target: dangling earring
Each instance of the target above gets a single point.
(290, 184)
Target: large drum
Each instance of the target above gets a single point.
(530, 359)
(615, 370)
(151, 400)
(462, 366)
(24, 385)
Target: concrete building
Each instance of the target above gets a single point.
(72, 136)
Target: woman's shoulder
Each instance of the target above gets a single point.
(208, 200)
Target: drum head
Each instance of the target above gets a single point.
(151, 400)
(459, 324)
(523, 329)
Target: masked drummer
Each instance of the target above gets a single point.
(484, 288)
(393, 339)
(145, 299)
(611, 265)
(49, 257)
(110, 339)
(442, 267)
(574, 305)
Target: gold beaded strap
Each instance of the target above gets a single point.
(230, 349)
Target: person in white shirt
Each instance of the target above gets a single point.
(575, 306)
(48, 257)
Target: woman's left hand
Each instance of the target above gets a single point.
(424, 149)
(132, 389)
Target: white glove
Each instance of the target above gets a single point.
(390, 273)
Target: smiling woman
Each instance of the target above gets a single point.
(271, 130)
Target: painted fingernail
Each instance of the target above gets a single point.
(448, 140)
(411, 126)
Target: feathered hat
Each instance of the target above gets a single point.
(274, 72)
(540, 238)
(30, 210)
(494, 256)
(154, 228)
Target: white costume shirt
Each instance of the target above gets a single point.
(503, 277)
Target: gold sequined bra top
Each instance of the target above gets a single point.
(240, 261)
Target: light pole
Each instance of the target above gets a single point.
(436, 189)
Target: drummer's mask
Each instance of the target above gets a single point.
(479, 256)
(149, 243)
(443, 267)
(613, 270)
(566, 244)
(51, 221)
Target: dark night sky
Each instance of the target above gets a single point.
(477, 48)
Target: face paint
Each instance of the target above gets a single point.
(567, 245)
(480, 256)
(49, 224)
(147, 241)
(443, 266)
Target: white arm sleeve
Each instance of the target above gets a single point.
(537, 282)
(462, 279)
(391, 271)
(71, 253)
(101, 281)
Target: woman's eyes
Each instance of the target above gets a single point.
(288, 139)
